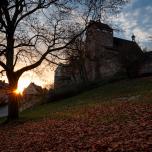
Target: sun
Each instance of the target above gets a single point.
(22, 84)
(17, 91)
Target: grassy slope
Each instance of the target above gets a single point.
(137, 90)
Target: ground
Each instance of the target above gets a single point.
(114, 117)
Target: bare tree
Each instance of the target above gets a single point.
(23, 36)
(31, 30)
(75, 55)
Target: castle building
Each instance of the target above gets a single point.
(106, 56)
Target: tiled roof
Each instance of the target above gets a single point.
(126, 46)
(129, 51)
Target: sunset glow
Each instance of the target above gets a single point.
(17, 92)
(22, 84)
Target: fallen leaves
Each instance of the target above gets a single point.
(123, 126)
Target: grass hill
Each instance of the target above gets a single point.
(135, 90)
(113, 117)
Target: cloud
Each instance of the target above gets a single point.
(136, 18)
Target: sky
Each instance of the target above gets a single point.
(136, 18)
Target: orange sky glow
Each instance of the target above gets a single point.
(42, 76)
(44, 80)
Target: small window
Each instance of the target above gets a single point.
(98, 29)
(104, 31)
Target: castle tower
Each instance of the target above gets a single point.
(99, 36)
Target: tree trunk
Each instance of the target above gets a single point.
(13, 107)
(13, 100)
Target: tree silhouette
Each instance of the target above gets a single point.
(31, 30)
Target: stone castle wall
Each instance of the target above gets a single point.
(100, 62)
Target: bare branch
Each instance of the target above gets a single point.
(40, 5)
(46, 53)
(2, 72)
(3, 65)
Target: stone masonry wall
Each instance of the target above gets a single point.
(100, 62)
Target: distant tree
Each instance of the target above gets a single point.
(31, 30)
(75, 55)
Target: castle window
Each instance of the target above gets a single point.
(105, 31)
(98, 29)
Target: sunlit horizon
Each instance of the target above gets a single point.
(30, 77)
(22, 84)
